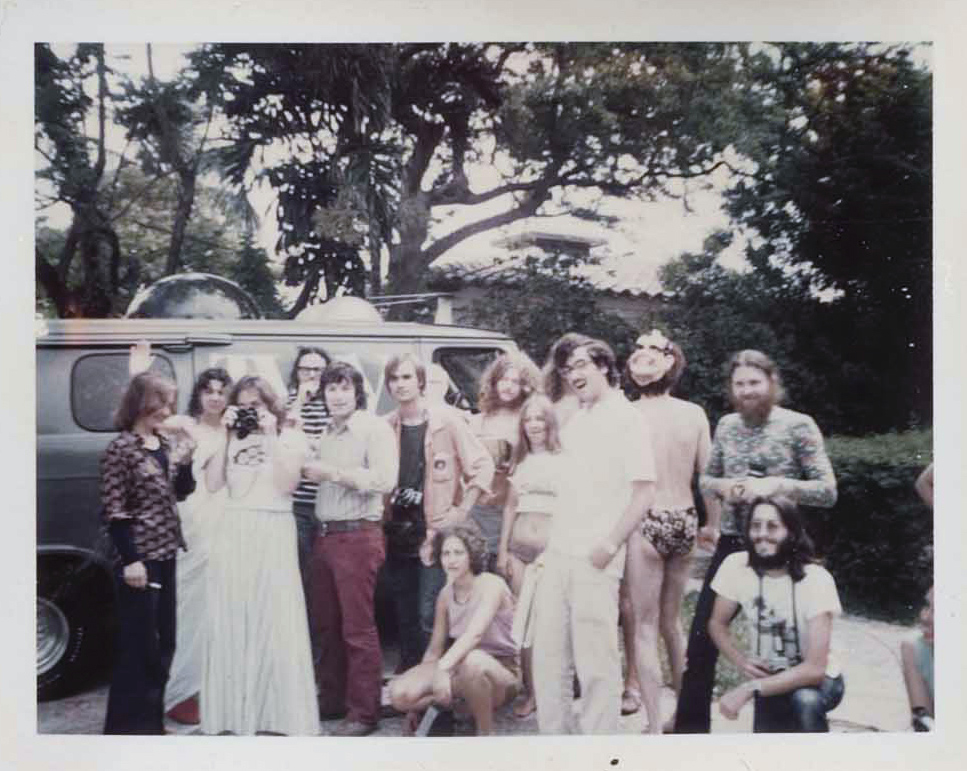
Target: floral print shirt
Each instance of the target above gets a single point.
(135, 487)
(788, 444)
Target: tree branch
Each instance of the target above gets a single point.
(447, 196)
(525, 209)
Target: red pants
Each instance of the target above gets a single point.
(349, 668)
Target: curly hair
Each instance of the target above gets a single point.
(474, 542)
(266, 393)
(530, 380)
(663, 385)
(145, 393)
(798, 548)
(598, 351)
(210, 375)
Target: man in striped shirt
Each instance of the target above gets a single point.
(306, 408)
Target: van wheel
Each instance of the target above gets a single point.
(70, 640)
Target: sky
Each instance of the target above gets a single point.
(648, 233)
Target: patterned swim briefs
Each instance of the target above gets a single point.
(671, 531)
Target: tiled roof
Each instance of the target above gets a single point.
(497, 256)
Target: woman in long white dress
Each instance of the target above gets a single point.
(258, 675)
(199, 514)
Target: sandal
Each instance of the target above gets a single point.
(630, 701)
(525, 707)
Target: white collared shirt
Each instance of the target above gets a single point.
(606, 447)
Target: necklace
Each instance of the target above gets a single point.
(466, 599)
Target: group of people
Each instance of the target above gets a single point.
(514, 544)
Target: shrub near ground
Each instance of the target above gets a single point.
(877, 540)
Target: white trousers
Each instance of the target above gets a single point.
(576, 629)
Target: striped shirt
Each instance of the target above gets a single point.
(315, 418)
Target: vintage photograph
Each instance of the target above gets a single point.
(578, 390)
(379, 399)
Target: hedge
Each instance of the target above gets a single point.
(878, 539)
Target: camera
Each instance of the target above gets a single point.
(246, 421)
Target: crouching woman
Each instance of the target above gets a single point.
(474, 611)
(789, 603)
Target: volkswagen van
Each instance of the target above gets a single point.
(82, 371)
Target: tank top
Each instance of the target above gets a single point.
(537, 479)
(497, 640)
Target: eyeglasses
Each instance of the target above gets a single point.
(575, 366)
(311, 370)
(655, 349)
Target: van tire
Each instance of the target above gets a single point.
(71, 637)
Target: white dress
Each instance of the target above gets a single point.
(199, 514)
(258, 672)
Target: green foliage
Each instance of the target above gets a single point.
(878, 539)
(540, 301)
(826, 373)
(251, 271)
(842, 188)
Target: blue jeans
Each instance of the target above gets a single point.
(801, 711)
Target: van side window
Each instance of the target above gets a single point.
(465, 366)
(98, 382)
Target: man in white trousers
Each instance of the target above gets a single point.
(608, 487)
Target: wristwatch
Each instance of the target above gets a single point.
(756, 686)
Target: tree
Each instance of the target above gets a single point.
(841, 193)
(621, 119)
(87, 287)
(540, 300)
(252, 273)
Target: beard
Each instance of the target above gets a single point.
(773, 561)
(756, 411)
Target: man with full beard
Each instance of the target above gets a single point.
(759, 451)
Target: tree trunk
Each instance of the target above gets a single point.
(186, 200)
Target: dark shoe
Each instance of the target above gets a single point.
(185, 712)
(354, 728)
(331, 714)
(444, 725)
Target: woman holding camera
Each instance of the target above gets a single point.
(789, 602)
(141, 479)
(258, 666)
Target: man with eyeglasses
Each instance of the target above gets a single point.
(306, 408)
(608, 487)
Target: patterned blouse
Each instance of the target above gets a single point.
(788, 445)
(135, 487)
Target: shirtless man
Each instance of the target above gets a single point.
(659, 552)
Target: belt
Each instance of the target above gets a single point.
(347, 525)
